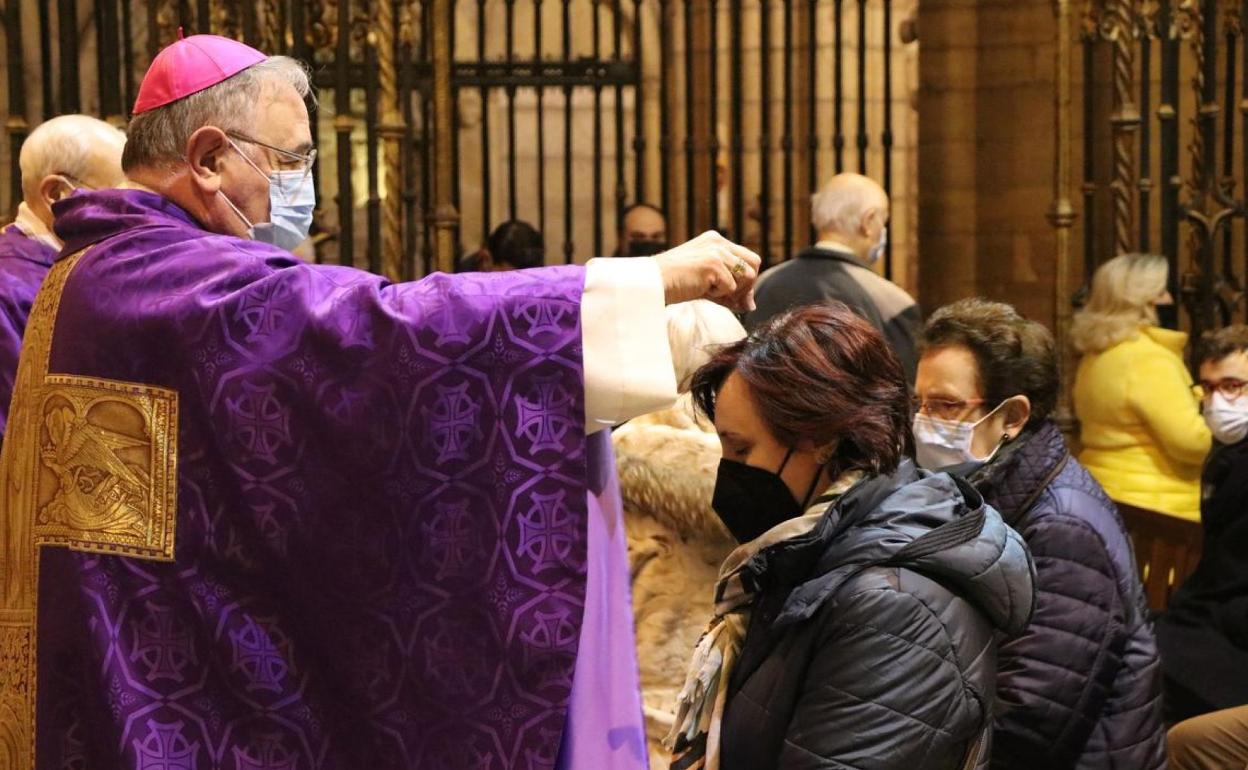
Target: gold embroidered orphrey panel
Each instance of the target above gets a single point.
(87, 464)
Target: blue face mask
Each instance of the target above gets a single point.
(292, 200)
(877, 251)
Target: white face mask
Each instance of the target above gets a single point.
(292, 201)
(1228, 420)
(877, 251)
(942, 444)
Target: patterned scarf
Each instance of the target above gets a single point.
(694, 739)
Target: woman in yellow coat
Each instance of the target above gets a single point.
(1142, 433)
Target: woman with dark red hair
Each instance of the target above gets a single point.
(855, 624)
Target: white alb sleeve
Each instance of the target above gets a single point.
(627, 356)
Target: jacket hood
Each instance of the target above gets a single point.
(934, 524)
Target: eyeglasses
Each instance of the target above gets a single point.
(287, 160)
(1230, 388)
(945, 408)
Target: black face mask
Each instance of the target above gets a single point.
(751, 500)
(645, 248)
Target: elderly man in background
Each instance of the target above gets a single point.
(850, 214)
(267, 512)
(643, 231)
(61, 155)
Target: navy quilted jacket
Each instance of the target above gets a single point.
(1081, 686)
(872, 642)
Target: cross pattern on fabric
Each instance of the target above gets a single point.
(381, 514)
(166, 649)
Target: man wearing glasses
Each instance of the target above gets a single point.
(292, 198)
(64, 154)
(256, 511)
(1204, 633)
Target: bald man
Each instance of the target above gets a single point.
(850, 214)
(643, 231)
(61, 155)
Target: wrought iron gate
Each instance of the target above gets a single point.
(1165, 145)
(440, 118)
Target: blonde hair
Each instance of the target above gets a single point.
(1122, 301)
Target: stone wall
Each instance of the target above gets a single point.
(986, 153)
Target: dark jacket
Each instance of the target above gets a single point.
(1081, 686)
(1204, 632)
(822, 275)
(872, 646)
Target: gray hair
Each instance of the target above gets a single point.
(68, 145)
(842, 205)
(159, 136)
(836, 211)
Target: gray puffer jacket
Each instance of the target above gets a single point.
(873, 642)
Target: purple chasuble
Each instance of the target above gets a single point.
(24, 262)
(382, 507)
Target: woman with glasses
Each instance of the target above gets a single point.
(1080, 686)
(855, 625)
(1140, 425)
(1204, 632)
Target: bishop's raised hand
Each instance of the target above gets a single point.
(710, 267)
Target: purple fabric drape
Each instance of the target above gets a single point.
(382, 506)
(23, 264)
(606, 727)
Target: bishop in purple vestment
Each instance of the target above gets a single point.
(59, 156)
(266, 514)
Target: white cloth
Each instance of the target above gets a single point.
(34, 228)
(628, 359)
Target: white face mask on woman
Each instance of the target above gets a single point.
(943, 444)
(1227, 419)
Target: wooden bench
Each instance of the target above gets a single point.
(1167, 550)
